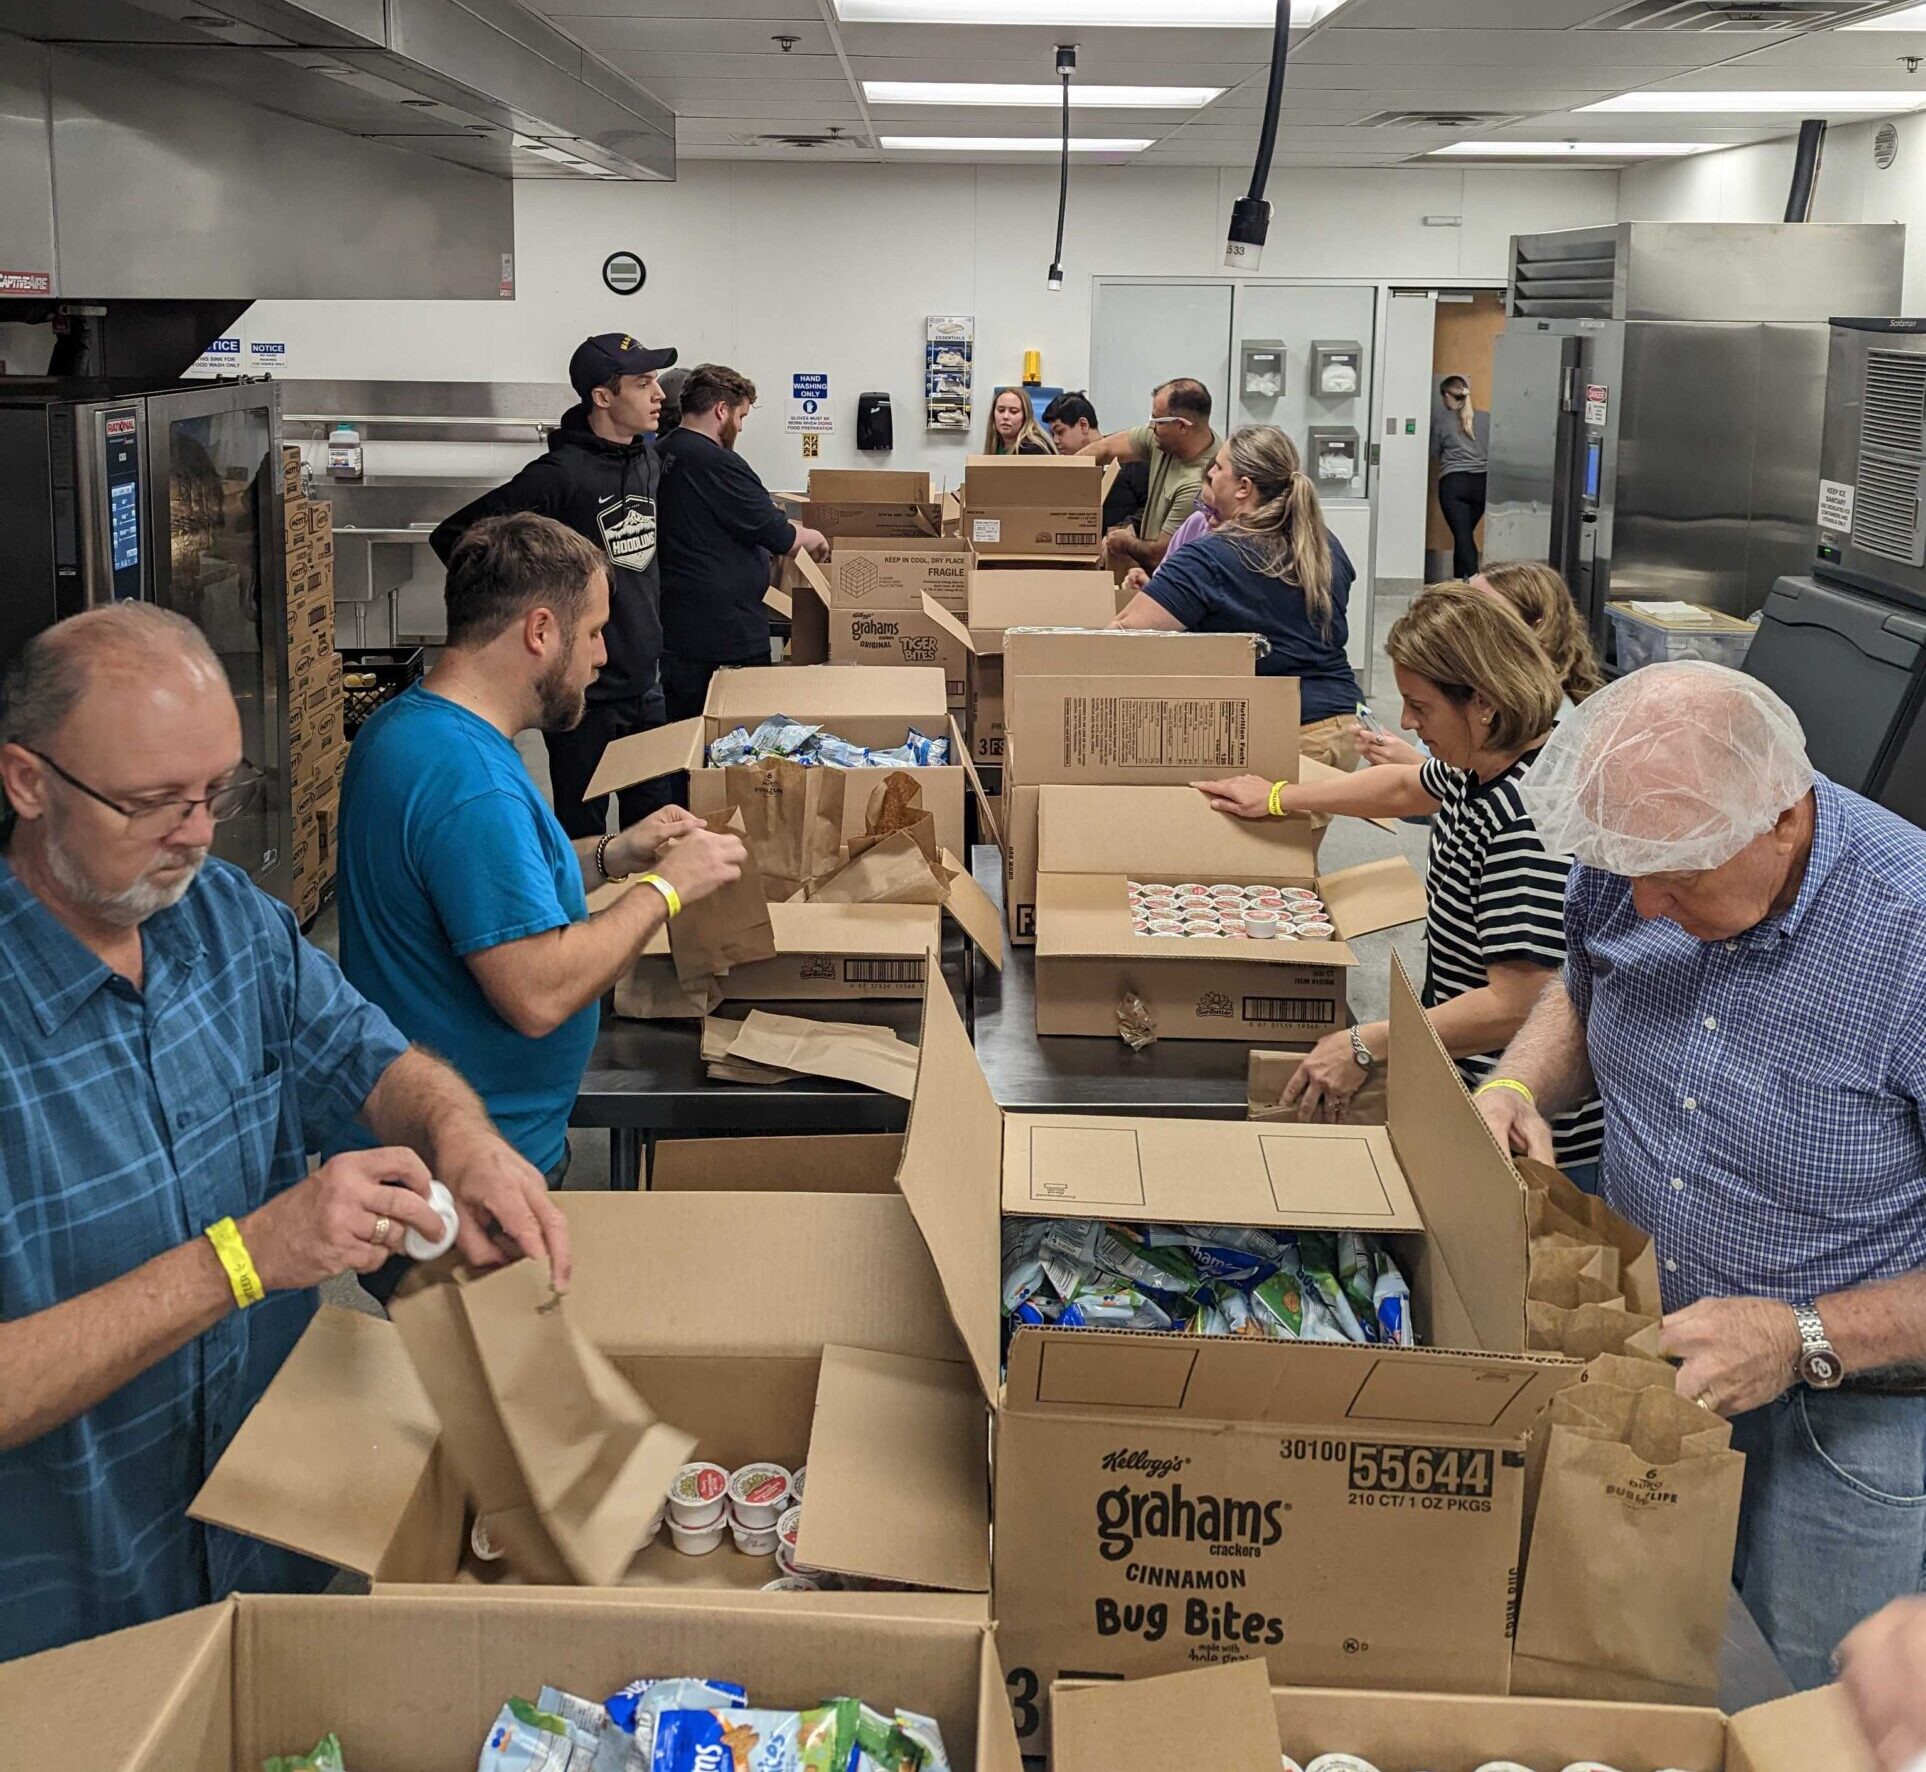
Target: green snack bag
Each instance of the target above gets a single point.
(324, 1756)
(1278, 1307)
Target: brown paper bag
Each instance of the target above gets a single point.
(1582, 1332)
(851, 1051)
(888, 870)
(1596, 1222)
(569, 1466)
(1630, 1559)
(1570, 1274)
(650, 991)
(730, 927)
(1271, 1071)
(792, 819)
(1581, 1404)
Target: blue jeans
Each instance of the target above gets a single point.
(1833, 1524)
(1583, 1176)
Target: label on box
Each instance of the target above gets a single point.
(1152, 732)
(986, 529)
(1835, 506)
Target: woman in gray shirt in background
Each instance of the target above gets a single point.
(1461, 440)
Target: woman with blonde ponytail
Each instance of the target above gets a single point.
(1269, 567)
(1461, 441)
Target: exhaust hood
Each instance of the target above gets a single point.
(483, 84)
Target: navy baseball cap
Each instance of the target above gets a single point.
(599, 360)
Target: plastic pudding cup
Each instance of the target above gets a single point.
(796, 1485)
(699, 1496)
(791, 1584)
(697, 1541)
(758, 1493)
(1260, 925)
(753, 1541)
(482, 1542)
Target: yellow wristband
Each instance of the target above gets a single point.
(1511, 1083)
(225, 1235)
(670, 897)
(1277, 798)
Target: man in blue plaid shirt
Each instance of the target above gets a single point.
(1746, 982)
(170, 1051)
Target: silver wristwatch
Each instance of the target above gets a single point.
(1819, 1364)
(1360, 1051)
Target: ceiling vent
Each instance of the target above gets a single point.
(802, 143)
(1734, 17)
(1455, 120)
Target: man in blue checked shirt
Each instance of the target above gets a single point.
(170, 1051)
(1746, 981)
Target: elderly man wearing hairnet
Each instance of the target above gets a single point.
(1745, 983)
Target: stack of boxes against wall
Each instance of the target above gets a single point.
(317, 745)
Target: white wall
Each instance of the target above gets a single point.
(1750, 184)
(777, 269)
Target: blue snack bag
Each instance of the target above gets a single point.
(821, 1740)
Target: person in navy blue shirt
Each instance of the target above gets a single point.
(464, 903)
(1270, 567)
(173, 1051)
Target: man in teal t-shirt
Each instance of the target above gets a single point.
(464, 905)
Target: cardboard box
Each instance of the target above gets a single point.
(807, 1374)
(1094, 840)
(415, 1680)
(870, 707)
(1168, 1500)
(925, 635)
(1146, 1725)
(1036, 505)
(872, 502)
(1031, 597)
(893, 574)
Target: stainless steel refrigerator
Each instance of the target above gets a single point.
(173, 497)
(1658, 399)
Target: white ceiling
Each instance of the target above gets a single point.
(715, 64)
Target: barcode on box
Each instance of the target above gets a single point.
(1308, 1011)
(883, 971)
(1074, 538)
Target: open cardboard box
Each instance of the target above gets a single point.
(1147, 1725)
(1169, 1500)
(1040, 506)
(826, 625)
(889, 502)
(411, 1682)
(869, 707)
(890, 573)
(789, 1361)
(1092, 841)
(1028, 597)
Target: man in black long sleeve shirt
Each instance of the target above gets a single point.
(720, 529)
(600, 478)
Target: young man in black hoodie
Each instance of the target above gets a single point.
(720, 529)
(599, 477)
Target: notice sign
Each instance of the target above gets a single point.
(809, 403)
(1835, 507)
(267, 357)
(221, 357)
(1596, 396)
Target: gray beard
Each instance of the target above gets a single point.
(126, 909)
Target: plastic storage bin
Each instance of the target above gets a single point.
(1645, 635)
(371, 676)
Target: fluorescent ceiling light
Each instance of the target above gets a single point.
(1912, 18)
(1007, 144)
(1570, 150)
(1249, 15)
(975, 92)
(1789, 104)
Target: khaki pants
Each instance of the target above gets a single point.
(1333, 742)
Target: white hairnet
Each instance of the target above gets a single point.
(1672, 769)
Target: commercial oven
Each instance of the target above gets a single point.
(1658, 398)
(170, 496)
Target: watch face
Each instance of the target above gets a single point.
(1820, 1370)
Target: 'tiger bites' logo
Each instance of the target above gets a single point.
(628, 531)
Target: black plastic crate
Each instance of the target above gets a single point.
(372, 675)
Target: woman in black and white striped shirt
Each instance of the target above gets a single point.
(1480, 692)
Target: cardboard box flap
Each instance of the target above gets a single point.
(823, 694)
(799, 1162)
(911, 1507)
(894, 931)
(975, 910)
(151, 1695)
(1041, 598)
(815, 578)
(1029, 479)
(1129, 652)
(947, 624)
(331, 1459)
(1493, 1398)
(642, 756)
(1372, 896)
(869, 485)
(1204, 1172)
(996, 1741)
(1810, 1729)
(1471, 1198)
(1155, 1724)
(1141, 833)
(659, 1247)
(952, 1163)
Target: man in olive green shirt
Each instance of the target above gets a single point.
(1178, 443)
